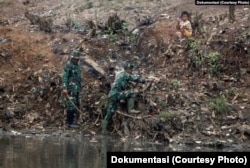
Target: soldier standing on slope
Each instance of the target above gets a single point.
(72, 86)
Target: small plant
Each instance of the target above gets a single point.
(76, 25)
(213, 61)
(232, 92)
(220, 107)
(192, 44)
(125, 26)
(176, 84)
(112, 37)
(245, 36)
(133, 38)
(213, 57)
(197, 61)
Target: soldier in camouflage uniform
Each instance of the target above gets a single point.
(121, 91)
(72, 86)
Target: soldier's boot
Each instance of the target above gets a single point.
(70, 119)
(131, 105)
(104, 126)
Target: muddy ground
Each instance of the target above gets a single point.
(201, 90)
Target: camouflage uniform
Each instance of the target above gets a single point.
(121, 91)
(72, 83)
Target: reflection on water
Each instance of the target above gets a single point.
(68, 152)
(20, 151)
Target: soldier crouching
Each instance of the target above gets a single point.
(120, 91)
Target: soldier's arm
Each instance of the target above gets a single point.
(65, 76)
(136, 79)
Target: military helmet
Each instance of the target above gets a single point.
(76, 54)
(129, 65)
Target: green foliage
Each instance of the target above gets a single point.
(195, 53)
(197, 61)
(245, 36)
(192, 44)
(76, 25)
(220, 106)
(176, 84)
(232, 92)
(133, 38)
(213, 62)
(112, 37)
(125, 26)
(213, 57)
(198, 57)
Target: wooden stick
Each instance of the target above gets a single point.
(97, 119)
(139, 118)
(74, 104)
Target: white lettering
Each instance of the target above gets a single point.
(113, 159)
(178, 159)
(220, 158)
(120, 160)
(224, 159)
(212, 160)
(243, 2)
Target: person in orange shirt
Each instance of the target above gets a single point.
(184, 26)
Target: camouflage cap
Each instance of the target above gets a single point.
(129, 65)
(76, 54)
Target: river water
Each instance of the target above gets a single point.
(73, 151)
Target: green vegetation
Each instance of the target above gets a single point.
(197, 61)
(112, 36)
(230, 93)
(245, 36)
(194, 53)
(176, 84)
(76, 25)
(213, 63)
(220, 106)
(199, 58)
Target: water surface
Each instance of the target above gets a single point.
(44, 151)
